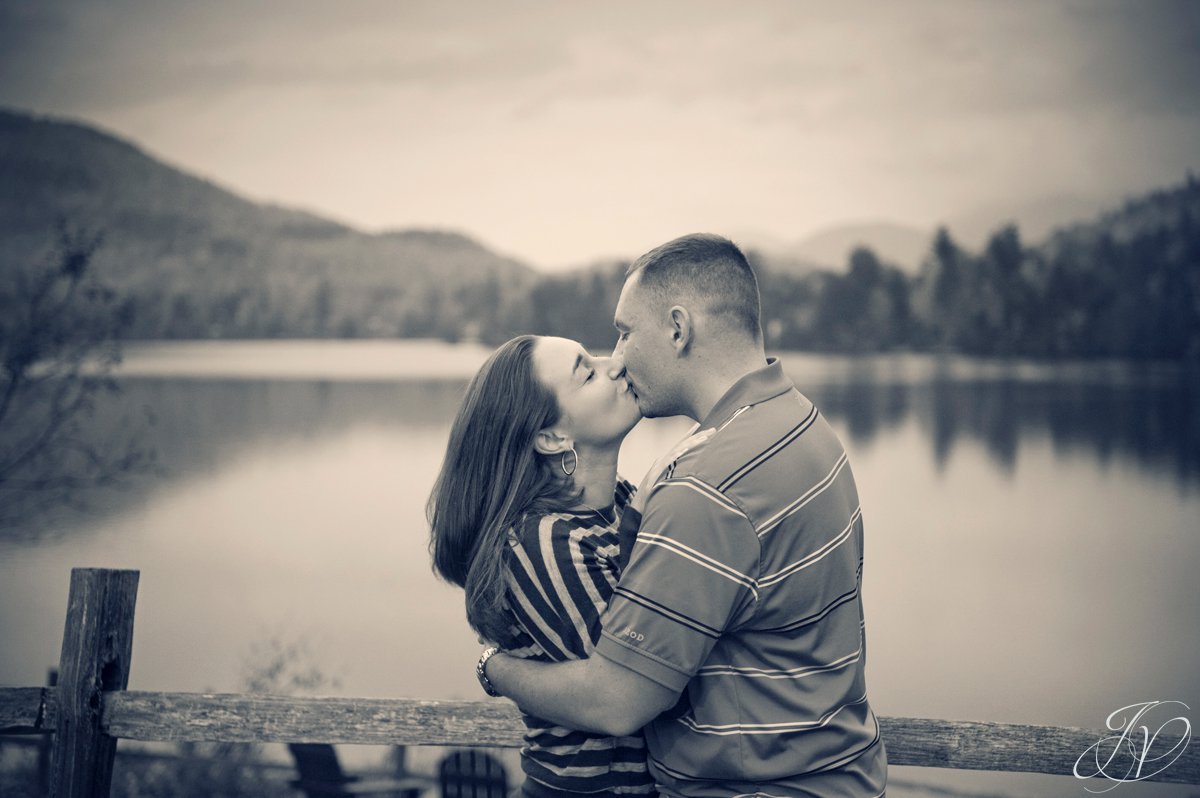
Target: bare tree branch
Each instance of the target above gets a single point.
(60, 330)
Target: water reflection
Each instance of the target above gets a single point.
(198, 426)
(1144, 417)
(1022, 534)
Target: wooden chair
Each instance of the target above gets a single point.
(321, 776)
(472, 774)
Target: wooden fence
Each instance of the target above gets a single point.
(90, 709)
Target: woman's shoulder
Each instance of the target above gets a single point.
(554, 542)
(539, 529)
(535, 526)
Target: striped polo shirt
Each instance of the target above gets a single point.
(561, 572)
(743, 591)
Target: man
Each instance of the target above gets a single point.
(736, 633)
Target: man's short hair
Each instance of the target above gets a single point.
(707, 267)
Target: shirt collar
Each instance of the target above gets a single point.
(757, 386)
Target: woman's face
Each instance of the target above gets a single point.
(596, 409)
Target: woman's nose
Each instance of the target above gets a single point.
(611, 366)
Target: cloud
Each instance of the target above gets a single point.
(1143, 56)
(780, 58)
(143, 53)
(596, 118)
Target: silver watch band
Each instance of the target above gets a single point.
(481, 671)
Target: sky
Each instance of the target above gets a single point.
(563, 132)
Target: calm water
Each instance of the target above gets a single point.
(1033, 532)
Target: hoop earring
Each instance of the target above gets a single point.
(574, 465)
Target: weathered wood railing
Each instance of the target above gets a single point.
(90, 709)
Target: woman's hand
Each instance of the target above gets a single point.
(656, 472)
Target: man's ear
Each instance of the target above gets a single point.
(551, 441)
(682, 328)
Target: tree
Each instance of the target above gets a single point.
(938, 290)
(60, 333)
(1008, 299)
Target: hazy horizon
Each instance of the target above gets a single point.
(562, 134)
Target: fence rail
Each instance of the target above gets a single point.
(88, 712)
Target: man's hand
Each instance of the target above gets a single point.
(655, 474)
(594, 694)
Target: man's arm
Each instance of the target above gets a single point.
(600, 694)
(594, 694)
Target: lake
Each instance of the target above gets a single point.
(1032, 530)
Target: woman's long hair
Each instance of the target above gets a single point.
(491, 477)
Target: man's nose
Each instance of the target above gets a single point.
(615, 368)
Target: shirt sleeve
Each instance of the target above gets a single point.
(558, 586)
(690, 577)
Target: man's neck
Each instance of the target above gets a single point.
(596, 475)
(715, 378)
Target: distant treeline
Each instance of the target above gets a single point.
(1113, 293)
(188, 259)
(1127, 286)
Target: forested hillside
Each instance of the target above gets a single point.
(195, 261)
(198, 261)
(1124, 285)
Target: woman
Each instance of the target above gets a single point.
(524, 517)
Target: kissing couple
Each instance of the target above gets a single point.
(703, 633)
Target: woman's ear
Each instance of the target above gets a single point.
(551, 441)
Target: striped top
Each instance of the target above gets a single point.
(561, 571)
(743, 592)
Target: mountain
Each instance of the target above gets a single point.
(829, 248)
(897, 244)
(202, 261)
(195, 260)
(907, 246)
(1156, 228)
(1124, 284)
(1036, 218)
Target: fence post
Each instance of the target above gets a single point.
(97, 643)
(46, 745)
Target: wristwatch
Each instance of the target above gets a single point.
(481, 672)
